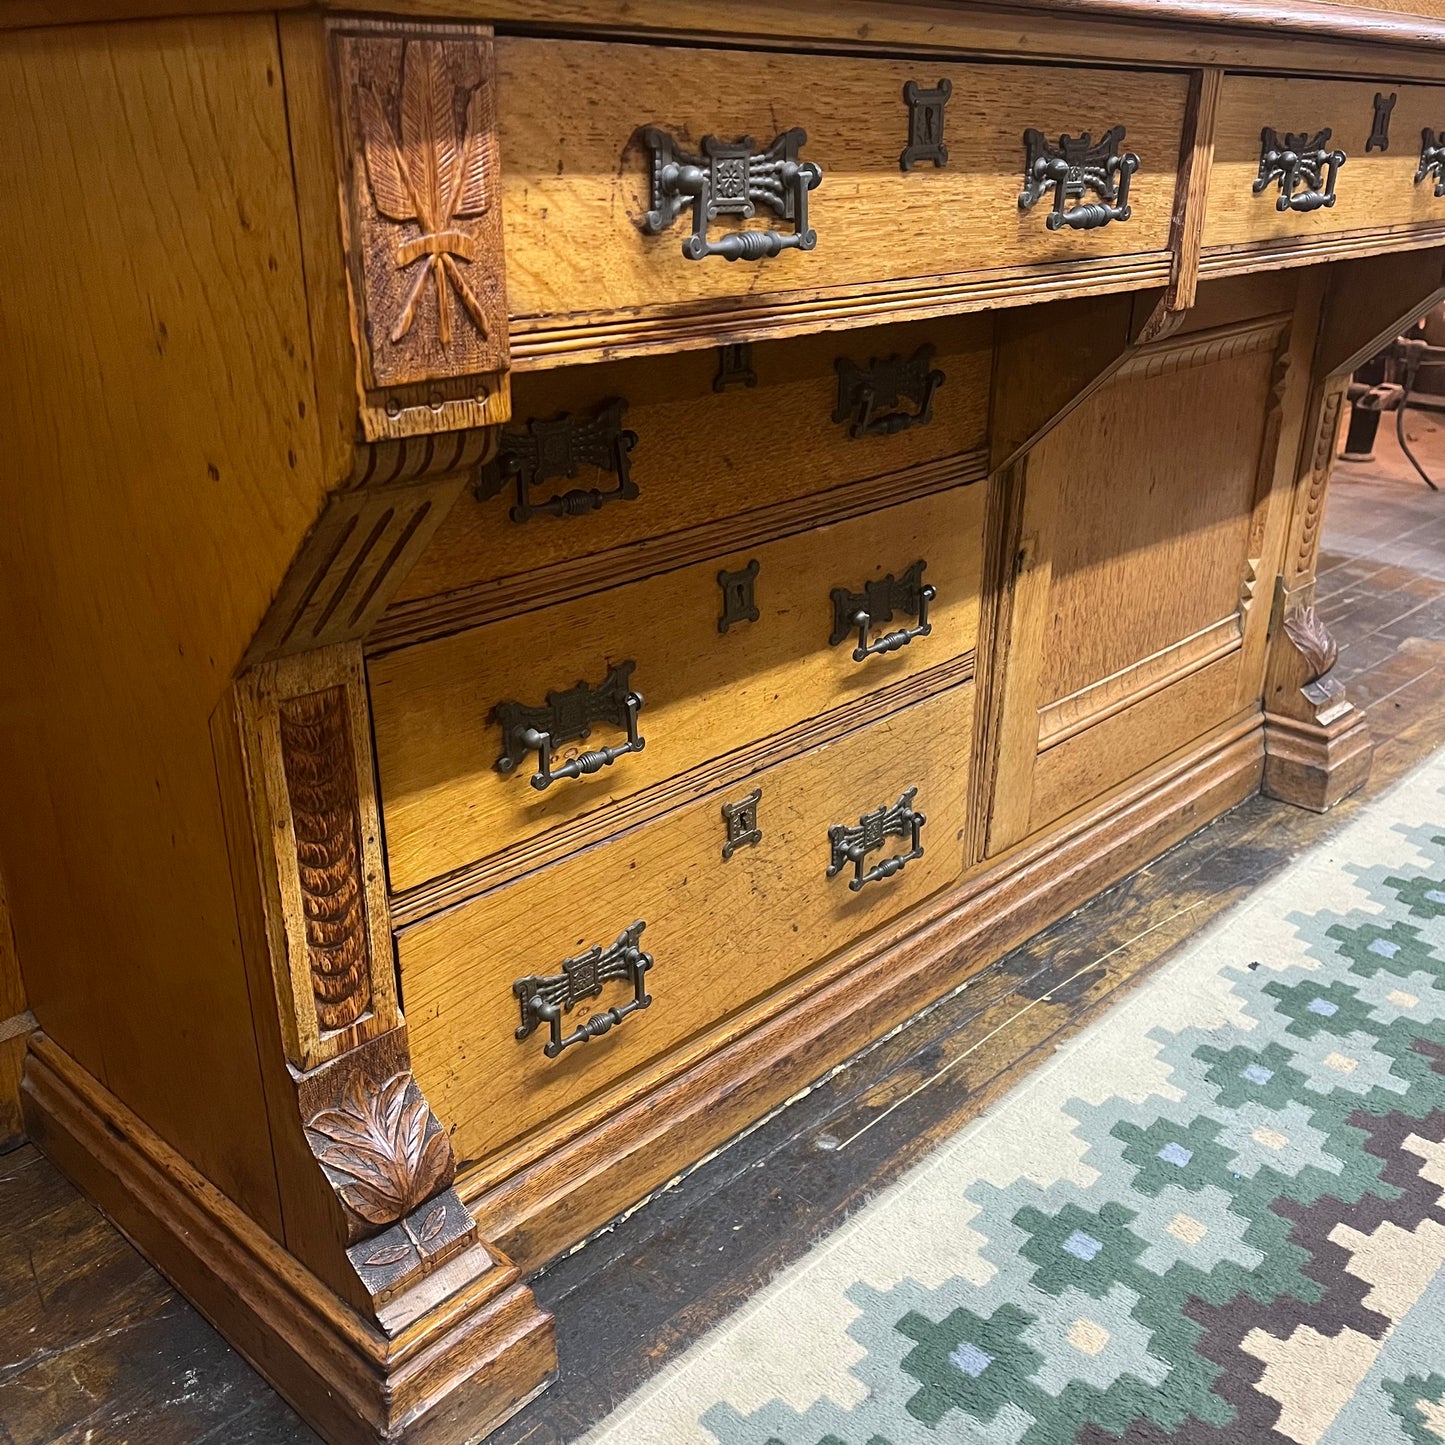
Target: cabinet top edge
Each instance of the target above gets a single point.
(920, 24)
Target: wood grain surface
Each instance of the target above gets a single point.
(1373, 188)
(704, 455)
(706, 693)
(163, 463)
(577, 188)
(723, 933)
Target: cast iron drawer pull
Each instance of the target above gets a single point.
(1298, 160)
(866, 393)
(556, 447)
(545, 1000)
(1432, 159)
(731, 178)
(1072, 166)
(854, 844)
(877, 603)
(567, 717)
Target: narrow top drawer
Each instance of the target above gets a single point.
(1354, 174)
(578, 161)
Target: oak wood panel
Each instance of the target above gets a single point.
(722, 933)
(477, 1355)
(1078, 769)
(703, 455)
(576, 181)
(1134, 522)
(443, 803)
(1156, 479)
(1374, 189)
(163, 463)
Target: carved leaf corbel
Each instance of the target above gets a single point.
(1312, 641)
(380, 1144)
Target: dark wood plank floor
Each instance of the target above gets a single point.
(96, 1348)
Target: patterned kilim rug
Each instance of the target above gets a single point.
(1218, 1215)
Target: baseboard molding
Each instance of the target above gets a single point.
(546, 1206)
(451, 1375)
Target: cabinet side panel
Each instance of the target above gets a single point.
(161, 468)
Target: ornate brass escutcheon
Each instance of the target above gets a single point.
(567, 716)
(875, 604)
(1432, 160)
(556, 448)
(741, 821)
(869, 396)
(1300, 159)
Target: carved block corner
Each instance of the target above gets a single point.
(415, 111)
(1317, 743)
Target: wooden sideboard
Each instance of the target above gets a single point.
(569, 564)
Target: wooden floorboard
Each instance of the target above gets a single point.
(96, 1348)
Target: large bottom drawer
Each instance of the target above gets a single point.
(722, 931)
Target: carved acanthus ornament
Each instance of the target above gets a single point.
(316, 752)
(382, 1147)
(1312, 641)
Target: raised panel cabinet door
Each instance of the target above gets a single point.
(460, 781)
(1141, 524)
(724, 926)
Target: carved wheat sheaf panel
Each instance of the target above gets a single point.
(418, 115)
(320, 769)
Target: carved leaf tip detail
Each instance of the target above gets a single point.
(320, 770)
(1312, 641)
(379, 1140)
(433, 177)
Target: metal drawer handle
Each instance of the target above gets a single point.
(556, 447)
(877, 603)
(1432, 160)
(854, 844)
(1071, 167)
(567, 717)
(1298, 160)
(731, 178)
(870, 397)
(545, 1000)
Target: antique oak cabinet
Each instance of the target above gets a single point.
(566, 564)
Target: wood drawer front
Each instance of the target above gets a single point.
(763, 457)
(577, 182)
(1373, 190)
(722, 934)
(706, 692)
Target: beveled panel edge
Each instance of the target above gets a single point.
(1068, 716)
(1276, 253)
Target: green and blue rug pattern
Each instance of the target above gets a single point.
(1217, 1217)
